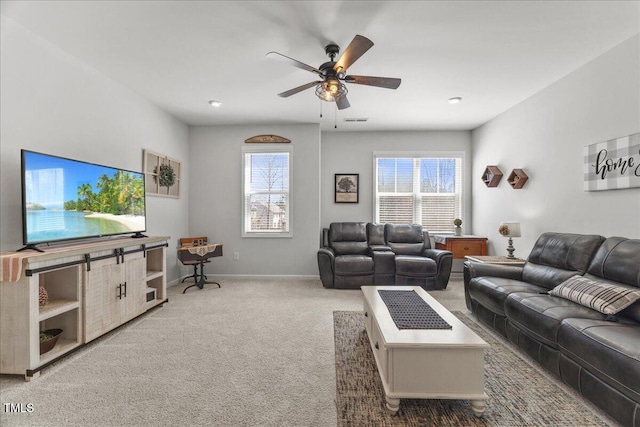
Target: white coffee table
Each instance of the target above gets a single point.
(425, 363)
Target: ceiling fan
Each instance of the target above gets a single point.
(331, 74)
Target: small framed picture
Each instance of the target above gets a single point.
(347, 187)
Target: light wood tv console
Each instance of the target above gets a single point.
(92, 289)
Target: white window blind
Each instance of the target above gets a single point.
(419, 189)
(266, 193)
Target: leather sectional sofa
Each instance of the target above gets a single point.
(354, 254)
(595, 351)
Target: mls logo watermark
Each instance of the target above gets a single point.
(19, 408)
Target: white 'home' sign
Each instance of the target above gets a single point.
(612, 164)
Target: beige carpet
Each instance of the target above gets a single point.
(520, 394)
(254, 353)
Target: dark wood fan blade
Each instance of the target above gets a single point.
(358, 46)
(283, 58)
(298, 89)
(385, 82)
(342, 103)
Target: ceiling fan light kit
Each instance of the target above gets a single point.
(332, 74)
(331, 90)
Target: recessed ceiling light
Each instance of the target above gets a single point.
(215, 103)
(455, 100)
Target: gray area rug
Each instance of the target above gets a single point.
(519, 394)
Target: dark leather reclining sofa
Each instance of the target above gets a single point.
(595, 353)
(354, 254)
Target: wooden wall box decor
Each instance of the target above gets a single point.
(492, 176)
(267, 139)
(517, 179)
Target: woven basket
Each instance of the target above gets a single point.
(48, 344)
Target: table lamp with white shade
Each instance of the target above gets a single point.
(510, 230)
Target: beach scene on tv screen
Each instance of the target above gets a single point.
(66, 199)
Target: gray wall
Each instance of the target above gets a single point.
(216, 194)
(545, 136)
(352, 152)
(53, 103)
(216, 200)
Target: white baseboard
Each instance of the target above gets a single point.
(250, 277)
(266, 276)
(175, 282)
(454, 275)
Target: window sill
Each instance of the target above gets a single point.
(259, 235)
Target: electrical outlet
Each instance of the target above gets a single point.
(236, 256)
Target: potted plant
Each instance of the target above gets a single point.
(458, 230)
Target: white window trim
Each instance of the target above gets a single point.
(421, 154)
(266, 148)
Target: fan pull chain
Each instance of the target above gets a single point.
(320, 108)
(335, 117)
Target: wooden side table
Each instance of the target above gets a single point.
(462, 246)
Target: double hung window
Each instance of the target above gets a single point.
(267, 193)
(422, 189)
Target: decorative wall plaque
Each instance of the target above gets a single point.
(162, 174)
(269, 139)
(612, 164)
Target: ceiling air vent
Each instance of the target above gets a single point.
(356, 119)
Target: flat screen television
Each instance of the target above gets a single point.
(65, 199)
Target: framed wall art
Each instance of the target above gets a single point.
(347, 187)
(612, 164)
(162, 175)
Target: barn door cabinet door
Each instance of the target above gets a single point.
(114, 293)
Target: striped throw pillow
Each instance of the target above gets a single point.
(607, 298)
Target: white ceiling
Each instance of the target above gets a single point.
(180, 54)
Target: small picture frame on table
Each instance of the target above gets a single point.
(347, 187)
